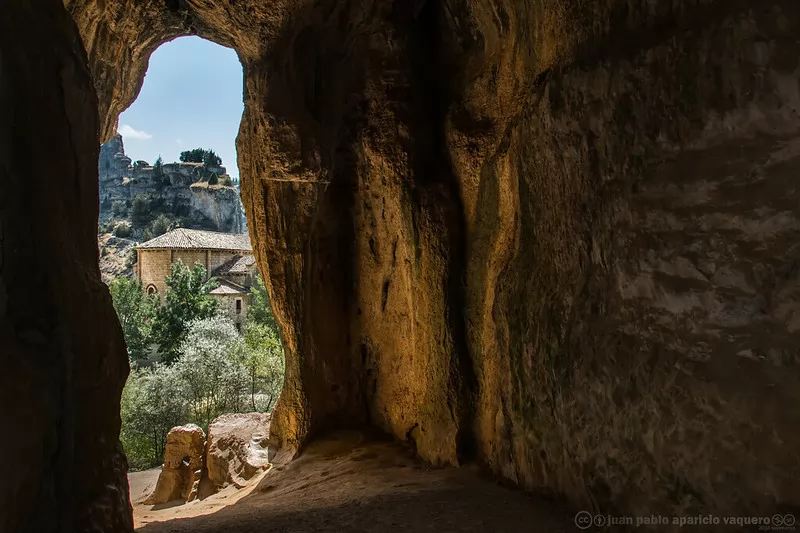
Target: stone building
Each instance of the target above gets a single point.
(228, 257)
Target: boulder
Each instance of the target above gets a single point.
(183, 465)
(237, 449)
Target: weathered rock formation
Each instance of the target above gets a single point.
(183, 465)
(556, 237)
(175, 189)
(237, 448)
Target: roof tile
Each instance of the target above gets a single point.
(201, 240)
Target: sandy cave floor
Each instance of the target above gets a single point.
(348, 483)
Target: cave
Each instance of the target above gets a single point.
(558, 239)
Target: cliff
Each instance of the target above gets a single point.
(180, 191)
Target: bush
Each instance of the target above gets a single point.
(131, 259)
(160, 225)
(122, 230)
(140, 210)
(198, 155)
(153, 402)
(186, 300)
(118, 208)
(264, 364)
(136, 312)
(211, 366)
(226, 180)
(213, 179)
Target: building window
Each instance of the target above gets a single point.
(238, 306)
(151, 289)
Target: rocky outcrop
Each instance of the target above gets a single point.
(557, 238)
(183, 464)
(175, 189)
(236, 450)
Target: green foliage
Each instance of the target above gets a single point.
(192, 156)
(260, 310)
(264, 364)
(122, 230)
(153, 402)
(226, 180)
(118, 208)
(213, 179)
(211, 367)
(136, 312)
(210, 159)
(158, 167)
(160, 225)
(186, 299)
(199, 155)
(131, 259)
(146, 234)
(140, 210)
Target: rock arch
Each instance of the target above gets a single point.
(556, 238)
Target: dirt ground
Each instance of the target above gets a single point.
(348, 483)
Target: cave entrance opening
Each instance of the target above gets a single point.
(176, 254)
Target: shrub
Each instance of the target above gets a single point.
(160, 225)
(210, 365)
(226, 180)
(140, 210)
(136, 312)
(213, 179)
(153, 402)
(118, 208)
(186, 299)
(122, 230)
(131, 259)
(264, 363)
(199, 155)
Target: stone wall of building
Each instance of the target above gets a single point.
(152, 267)
(228, 304)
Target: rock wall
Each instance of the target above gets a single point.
(176, 190)
(556, 237)
(63, 356)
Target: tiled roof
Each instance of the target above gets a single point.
(200, 240)
(238, 264)
(227, 287)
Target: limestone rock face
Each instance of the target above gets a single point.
(63, 357)
(559, 238)
(175, 190)
(183, 465)
(237, 448)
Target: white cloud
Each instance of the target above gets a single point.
(129, 133)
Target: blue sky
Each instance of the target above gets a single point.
(191, 97)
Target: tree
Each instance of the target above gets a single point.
(264, 363)
(210, 366)
(210, 159)
(122, 230)
(186, 299)
(199, 155)
(118, 208)
(158, 167)
(260, 310)
(213, 179)
(192, 156)
(160, 225)
(136, 312)
(140, 210)
(153, 402)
